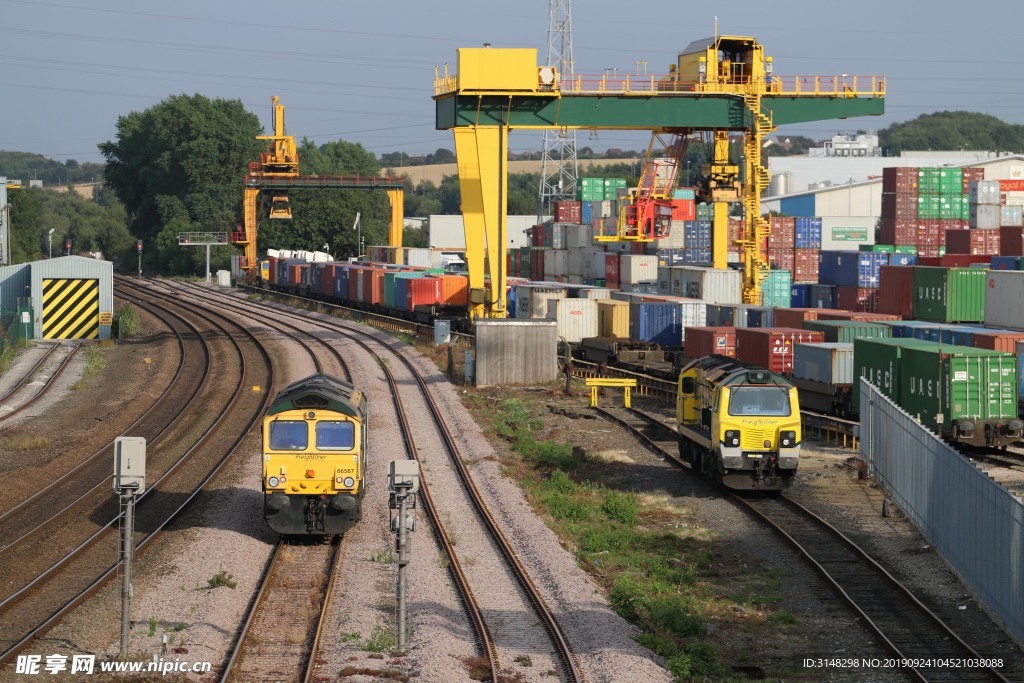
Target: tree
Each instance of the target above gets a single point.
(181, 162)
(952, 130)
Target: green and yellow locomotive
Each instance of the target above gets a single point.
(738, 424)
(314, 457)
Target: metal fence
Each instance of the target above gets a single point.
(976, 524)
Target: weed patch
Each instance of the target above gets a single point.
(222, 578)
(381, 640)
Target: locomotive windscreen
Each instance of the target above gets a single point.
(759, 400)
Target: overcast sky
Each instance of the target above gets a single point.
(363, 71)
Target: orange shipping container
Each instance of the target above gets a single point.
(454, 289)
(795, 317)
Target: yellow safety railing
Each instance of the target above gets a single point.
(595, 383)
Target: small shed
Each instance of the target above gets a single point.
(72, 298)
(516, 352)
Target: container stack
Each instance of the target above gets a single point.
(793, 245)
(856, 277)
(919, 206)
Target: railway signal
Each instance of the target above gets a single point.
(67, 246)
(403, 483)
(139, 244)
(129, 482)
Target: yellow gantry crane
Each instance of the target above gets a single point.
(719, 86)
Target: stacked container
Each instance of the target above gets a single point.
(1004, 300)
(532, 299)
(776, 289)
(845, 331)
(772, 347)
(855, 275)
(826, 362)
(949, 294)
(612, 318)
(793, 245)
(705, 341)
(984, 210)
(576, 319)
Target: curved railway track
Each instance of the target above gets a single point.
(52, 592)
(43, 390)
(497, 591)
(903, 624)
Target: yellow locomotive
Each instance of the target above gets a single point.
(738, 424)
(314, 457)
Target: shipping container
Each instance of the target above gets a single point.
(455, 289)
(949, 294)
(1006, 262)
(612, 318)
(1004, 301)
(975, 242)
(851, 268)
(805, 265)
(637, 269)
(984, 192)
(879, 362)
(822, 296)
(825, 362)
(413, 292)
(590, 189)
(656, 322)
(556, 263)
(807, 233)
(996, 340)
(911, 329)
(705, 341)
(899, 179)
(900, 206)
(971, 174)
(575, 318)
(568, 212)
(899, 259)
(1011, 215)
(941, 385)
(532, 300)
(795, 316)
(714, 285)
(1020, 371)
(928, 180)
(857, 316)
(771, 347)
(985, 216)
(800, 296)
(776, 288)
(845, 331)
(392, 299)
(898, 284)
(858, 299)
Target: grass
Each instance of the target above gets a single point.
(381, 640)
(222, 579)
(385, 556)
(15, 441)
(8, 351)
(127, 321)
(94, 364)
(660, 571)
(152, 626)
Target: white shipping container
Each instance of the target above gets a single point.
(575, 280)
(417, 256)
(593, 263)
(1011, 215)
(574, 318)
(595, 293)
(676, 237)
(1014, 198)
(1004, 299)
(983, 192)
(826, 362)
(576, 262)
(713, 285)
(985, 216)
(556, 263)
(638, 268)
(532, 300)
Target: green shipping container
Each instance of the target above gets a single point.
(880, 248)
(929, 206)
(683, 193)
(929, 181)
(942, 384)
(524, 262)
(949, 295)
(878, 361)
(705, 212)
(906, 249)
(777, 289)
(590, 190)
(612, 187)
(846, 331)
(951, 181)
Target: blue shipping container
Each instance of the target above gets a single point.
(851, 268)
(1006, 262)
(800, 296)
(808, 233)
(760, 316)
(902, 259)
(657, 322)
(696, 255)
(697, 234)
(340, 283)
(822, 296)
(910, 329)
(587, 213)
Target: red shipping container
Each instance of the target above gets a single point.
(772, 347)
(684, 210)
(898, 284)
(996, 340)
(611, 269)
(896, 179)
(856, 299)
(354, 273)
(985, 242)
(1011, 241)
(781, 259)
(373, 286)
(972, 173)
(568, 212)
(962, 260)
(928, 255)
(899, 205)
(705, 341)
(783, 232)
(858, 316)
(795, 317)
(272, 278)
(952, 224)
(900, 231)
(537, 265)
(421, 291)
(805, 265)
(931, 233)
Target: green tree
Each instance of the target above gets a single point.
(952, 130)
(180, 163)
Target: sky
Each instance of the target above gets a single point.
(364, 71)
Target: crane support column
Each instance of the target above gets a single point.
(397, 225)
(249, 221)
(724, 176)
(483, 180)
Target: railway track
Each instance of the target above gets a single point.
(901, 622)
(280, 637)
(64, 583)
(50, 382)
(505, 608)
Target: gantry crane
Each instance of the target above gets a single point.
(277, 171)
(720, 85)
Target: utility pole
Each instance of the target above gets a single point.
(559, 170)
(129, 483)
(403, 483)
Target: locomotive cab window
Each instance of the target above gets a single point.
(335, 434)
(759, 400)
(288, 435)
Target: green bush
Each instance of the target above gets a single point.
(670, 612)
(561, 482)
(222, 578)
(627, 597)
(127, 322)
(621, 507)
(605, 538)
(704, 659)
(563, 506)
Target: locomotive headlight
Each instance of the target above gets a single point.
(349, 482)
(732, 437)
(273, 481)
(787, 438)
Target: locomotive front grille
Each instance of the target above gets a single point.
(753, 439)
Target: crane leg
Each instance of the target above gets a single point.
(481, 153)
(397, 199)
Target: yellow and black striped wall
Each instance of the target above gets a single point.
(72, 298)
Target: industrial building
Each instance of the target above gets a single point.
(69, 297)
